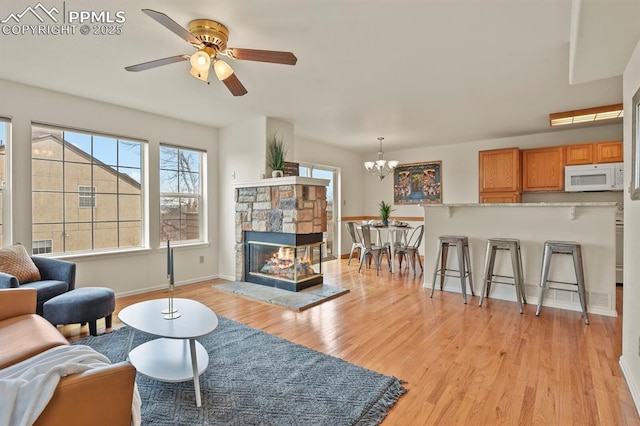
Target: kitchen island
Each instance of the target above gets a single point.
(592, 224)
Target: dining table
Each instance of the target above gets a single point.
(391, 237)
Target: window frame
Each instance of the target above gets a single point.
(134, 173)
(200, 196)
(5, 188)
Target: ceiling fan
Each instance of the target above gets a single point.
(210, 38)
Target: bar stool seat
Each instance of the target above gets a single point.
(513, 246)
(575, 250)
(461, 244)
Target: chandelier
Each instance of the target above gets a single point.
(381, 167)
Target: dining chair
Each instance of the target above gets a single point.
(372, 250)
(356, 240)
(411, 249)
(397, 238)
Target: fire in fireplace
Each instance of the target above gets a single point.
(289, 261)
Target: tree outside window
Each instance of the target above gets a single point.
(180, 194)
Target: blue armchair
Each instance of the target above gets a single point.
(57, 277)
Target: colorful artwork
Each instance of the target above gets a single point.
(418, 183)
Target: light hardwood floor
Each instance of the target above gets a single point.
(463, 364)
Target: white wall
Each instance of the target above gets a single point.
(630, 360)
(125, 273)
(351, 179)
(242, 151)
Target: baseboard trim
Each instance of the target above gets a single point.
(597, 310)
(631, 384)
(164, 285)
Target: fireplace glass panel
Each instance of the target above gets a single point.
(284, 262)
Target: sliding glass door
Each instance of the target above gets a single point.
(331, 237)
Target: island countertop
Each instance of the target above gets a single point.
(592, 224)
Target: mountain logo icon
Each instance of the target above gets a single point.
(39, 11)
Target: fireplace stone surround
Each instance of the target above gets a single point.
(288, 205)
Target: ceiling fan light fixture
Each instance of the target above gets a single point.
(200, 65)
(200, 75)
(200, 60)
(210, 39)
(223, 70)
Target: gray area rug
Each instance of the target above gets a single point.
(297, 301)
(255, 378)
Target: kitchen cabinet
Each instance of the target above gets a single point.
(580, 154)
(608, 152)
(500, 197)
(593, 153)
(543, 169)
(499, 170)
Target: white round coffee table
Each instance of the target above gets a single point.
(176, 356)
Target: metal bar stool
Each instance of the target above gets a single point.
(461, 245)
(575, 250)
(513, 246)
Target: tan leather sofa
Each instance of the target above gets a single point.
(101, 396)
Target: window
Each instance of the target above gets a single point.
(181, 209)
(86, 196)
(42, 247)
(70, 171)
(4, 138)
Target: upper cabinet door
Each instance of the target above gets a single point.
(499, 170)
(609, 152)
(580, 154)
(543, 169)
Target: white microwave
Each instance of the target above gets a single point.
(594, 177)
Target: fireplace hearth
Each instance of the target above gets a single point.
(287, 261)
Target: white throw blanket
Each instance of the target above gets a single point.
(27, 387)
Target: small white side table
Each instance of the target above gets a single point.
(176, 356)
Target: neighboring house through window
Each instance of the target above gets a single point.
(181, 200)
(70, 171)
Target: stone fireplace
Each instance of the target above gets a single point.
(278, 229)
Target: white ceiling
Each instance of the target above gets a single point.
(418, 72)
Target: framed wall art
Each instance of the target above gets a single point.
(418, 183)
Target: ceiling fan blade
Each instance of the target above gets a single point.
(273, 56)
(235, 87)
(157, 63)
(172, 25)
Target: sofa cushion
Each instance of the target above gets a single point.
(29, 335)
(48, 288)
(14, 260)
